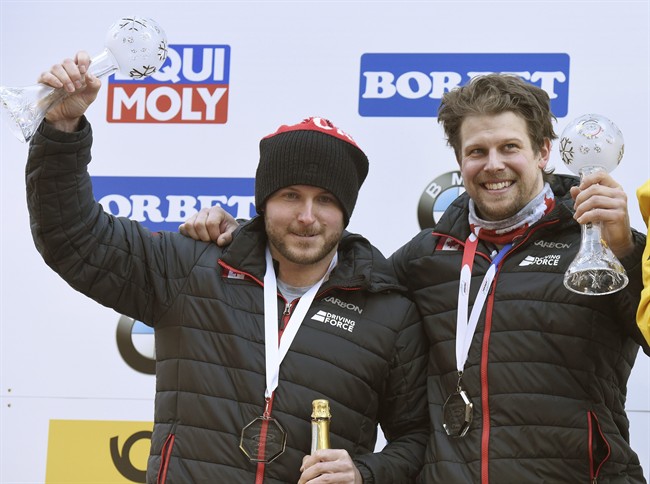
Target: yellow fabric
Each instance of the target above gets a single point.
(643, 314)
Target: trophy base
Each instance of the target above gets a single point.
(21, 107)
(595, 282)
(7, 106)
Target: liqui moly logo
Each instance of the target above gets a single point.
(162, 203)
(190, 87)
(411, 85)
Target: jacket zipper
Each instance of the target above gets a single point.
(261, 466)
(165, 457)
(286, 315)
(592, 475)
(485, 434)
(594, 426)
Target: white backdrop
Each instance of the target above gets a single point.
(288, 60)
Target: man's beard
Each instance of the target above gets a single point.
(290, 252)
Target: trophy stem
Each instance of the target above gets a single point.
(103, 64)
(588, 170)
(595, 271)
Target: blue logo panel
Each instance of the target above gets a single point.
(411, 85)
(162, 203)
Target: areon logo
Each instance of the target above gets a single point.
(343, 304)
(552, 245)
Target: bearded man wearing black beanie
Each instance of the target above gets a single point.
(295, 309)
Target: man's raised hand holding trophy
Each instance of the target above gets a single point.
(135, 46)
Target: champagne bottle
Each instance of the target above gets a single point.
(320, 425)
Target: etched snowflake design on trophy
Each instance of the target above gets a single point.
(134, 46)
(589, 144)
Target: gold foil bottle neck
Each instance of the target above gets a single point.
(320, 425)
(320, 409)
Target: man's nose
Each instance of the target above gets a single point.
(494, 161)
(306, 213)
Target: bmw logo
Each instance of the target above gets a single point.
(437, 196)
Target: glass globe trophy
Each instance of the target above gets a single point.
(589, 144)
(134, 46)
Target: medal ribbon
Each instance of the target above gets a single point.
(275, 352)
(465, 328)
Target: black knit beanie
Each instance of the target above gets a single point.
(313, 152)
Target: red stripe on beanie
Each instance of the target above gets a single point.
(314, 123)
(313, 152)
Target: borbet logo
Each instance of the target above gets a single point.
(411, 85)
(190, 87)
(162, 203)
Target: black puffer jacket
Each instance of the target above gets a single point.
(361, 344)
(547, 370)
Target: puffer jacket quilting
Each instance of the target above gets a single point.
(368, 356)
(547, 370)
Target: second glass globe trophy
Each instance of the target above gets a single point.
(135, 46)
(589, 144)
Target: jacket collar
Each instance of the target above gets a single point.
(360, 264)
(454, 221)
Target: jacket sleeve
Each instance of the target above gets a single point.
(400, 261)
(403, 412)
(115, 261)
(643, 312)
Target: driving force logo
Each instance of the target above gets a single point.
(411, 85)
(334, 320)
(190, 87)
(547, 260)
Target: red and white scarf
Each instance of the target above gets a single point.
(502, 232)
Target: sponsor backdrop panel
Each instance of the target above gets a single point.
(188, 137)
(65, 438)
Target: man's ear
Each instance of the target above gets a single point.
(545, 153)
